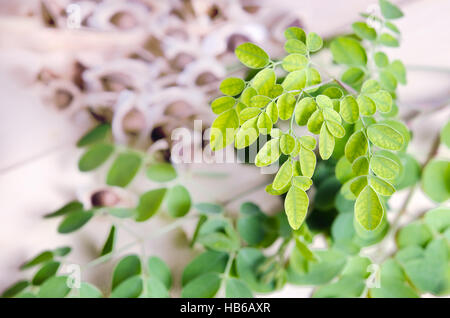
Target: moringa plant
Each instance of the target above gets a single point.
(342, 194)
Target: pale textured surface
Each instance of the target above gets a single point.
(30, 128)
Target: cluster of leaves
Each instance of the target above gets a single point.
(351, 113)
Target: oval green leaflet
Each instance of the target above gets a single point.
(247, 134)
(272, 111)
(269, 153)
(382, 100)
(360, 166)
(248, 113)
(74, 221)
(296, 206)
(366, 106)
(232, 86)
(263, 82)
(313, 42)
(247, 94)
(294, 62)
(307, 161)
(260, 101)
(283, 176)
(348, 51)
(95, 156)
(295, 81)
(304, 109)
(388, 40)
(149, 203)
(178, 201)
(349, 109)
(358, 184)
(295, 46)
(384, 167)
(287, 144)
(315, 122)
(252, 55)
(335, 128)
(285, 105)
(385, 137)
(356, 146)
(326, 143)
(302, 182)
(124, 169)
(295, 33)
(381, 59)
(381, 186)
(264, 123)
(222, 104)
(364, 31)
(223, 129)
(368, 209)
(308, 142)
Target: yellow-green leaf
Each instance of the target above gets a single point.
(295, 33)
(349, 109)
(356, 146)
(385, 137)
(382, 100)
(368, 209)
(335, 128)
(309, 142)
(247, 95)
(223, 129)
(287, 144)
(302, 182)
(313, 42)
(269, 153)
(248, 113)
(315, 122)
(283, 176)
(366, 106)
(384, 167)
(247, 134)
(304, 109)
(232, 86)
(380, 186)
(285, 105)
(222, 104)
(324, 101)
(358, 184)
(251, 55)
(272, 111)
(294, 62)
(295, 46)
(264, 81)
(307, 162)
(326, 143)
(360, 166)
(264, 124)
(260, 101)
(295, 80)
(296, 207)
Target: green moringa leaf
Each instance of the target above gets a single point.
(385, 137)
(283, 176)
(364, 31)
(97, 134)
(294, 62)
(388, 40)
(95, 156)
(313, 42)
(368, 209)
(348, 51)
(236, 288)
(304, 109)
(296, 207)
(252, 55)
(110, 242)
(326, 143)
(315, 122)
(349, 109)
(74, 221)
(123, 169)
(295, 46)
(264, 123)
(302, 182)
(232, 86)
(307, 162)
(272, 111)
(269, 153)
(263, 82)
(127, 267)
(356, 146)
(285, 105)
(149, 204)
(384, 167)
(389, 10)
(295, 80)
(204, 286)
(223, 129)
(295, 33)
(287, 144)
(222, 104)
(178, 201)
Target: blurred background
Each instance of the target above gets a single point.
(147, 67)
